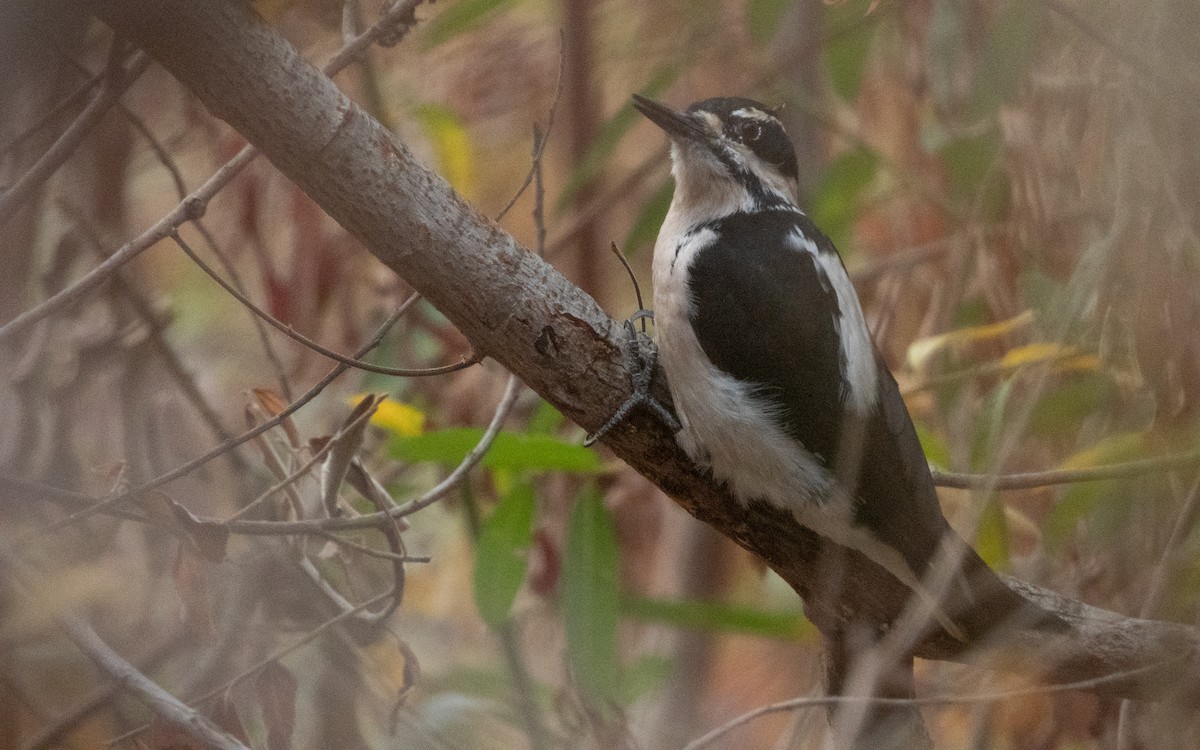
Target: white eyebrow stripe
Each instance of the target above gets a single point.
(752, 113)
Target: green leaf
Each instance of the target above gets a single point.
(837, 199)
(976, 178)
(649, 674)
(589, 587)
(848, 45)
(763, 18)
(545, 419)
(459, 18)
(1006, 56)
(718, 617)
(510, 451)
(609, 136)
(645, 227)
(968, 160)
(992, 540)
(1101, 502)
(936, 452)
(500, 562)
(1063, 408)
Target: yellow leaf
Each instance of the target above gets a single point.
(922, 349)
(396, 417)
(1034, 353)
(1112, 449)
(1080, 363)
(451, 146)
(394, 664)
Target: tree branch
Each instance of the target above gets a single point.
(517, 309)
(117, 79)
(166, 706)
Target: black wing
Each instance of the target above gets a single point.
(899, 502)
(765, 314)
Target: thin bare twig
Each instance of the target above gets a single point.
(946, 700)
(321, 527)
(391, 27)
(539, 143)
(342, 541)
(157, 336)
(234, 442)
(192, 207)
(115, 667)
(539, 189)
(342, 447)
(372, 520)
(637, 288)
(287, 481)
(164, 158)
(1184, 523)
(1029, 480)
(117, 79)
(75, 501)
(264, 662)
(508, 637)
(291, 333)
(69, 101)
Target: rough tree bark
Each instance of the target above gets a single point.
(520, 311)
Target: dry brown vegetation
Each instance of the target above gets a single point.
(1014, 185)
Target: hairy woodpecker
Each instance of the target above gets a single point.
(777, 385)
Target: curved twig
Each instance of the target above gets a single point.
(233, 442)
(116, 668)
(293, 334)
(264, 662)
(117, 79)
(540, 139)
(372, 520)
(1029, 480)
(392, 26)
(796, 704)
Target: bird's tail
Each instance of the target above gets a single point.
(983, 604)
(969, 603)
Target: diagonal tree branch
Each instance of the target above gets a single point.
(517, 309)
(116, 668)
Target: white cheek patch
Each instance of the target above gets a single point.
(711, 121)
(772, 179)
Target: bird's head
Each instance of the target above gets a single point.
(727, 153)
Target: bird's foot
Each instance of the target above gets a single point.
(642, 356)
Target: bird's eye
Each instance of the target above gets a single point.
(749, 132)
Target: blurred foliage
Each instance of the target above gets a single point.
(500, 554)
(1012, 183)
(509, 451)
(590, 599)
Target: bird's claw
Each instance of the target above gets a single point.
(643, 358)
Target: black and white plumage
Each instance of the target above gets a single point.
(776, 382)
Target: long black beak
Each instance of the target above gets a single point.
(676, 124)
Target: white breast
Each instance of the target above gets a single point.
(726, 427)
